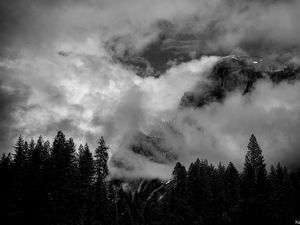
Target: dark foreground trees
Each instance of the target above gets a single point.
(49, 184)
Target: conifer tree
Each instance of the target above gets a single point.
(199, 181)
(281, 195)
(6, 178)
(64, 183)
(101, 155)
(180, 206)
(86, 165)
(20, 153)
(86, 177)
(254, 179)
(19, 187)
(101, 199)
(232, 183)
(254, 173)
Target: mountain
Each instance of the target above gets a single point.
(152, 146)
(237, 73)
(231, 73)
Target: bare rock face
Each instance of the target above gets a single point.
(236, 73)
(153, 147)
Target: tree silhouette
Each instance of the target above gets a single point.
(53, 184)
(254, 179)
(101, 155)
(101, 199)
(86, 178)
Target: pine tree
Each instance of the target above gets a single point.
(254, 173)
(35, 191)
(199, 181)
(219, 196)
(281, 195)
(72, 184)
(6, 180)
(232, 183)
(254, 179)
(20, 153)
(86, 165)
(19, 188)
(86, 177)
(180, 205)
(295, 179)
(57, 155)
(64, 183)
(101, 155)
(101, 199)
(180, 177)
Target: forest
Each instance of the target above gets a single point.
(59, 184)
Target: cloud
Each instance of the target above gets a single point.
(88, 95)
(57, 72)
(12, 98)
(209, 27)
(267, 29)
(221, 131)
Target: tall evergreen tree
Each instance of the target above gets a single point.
(218, 186)
(86, 177)
(179, 203)
(86, 165)
(19, 188)
(199, 181)
(101, 199)
(64, 183)
(281, 195)
(6, 178)
(101, 155)
(254, 179)
(295, 179)
(232, 182)
(20, 153)
(254, 172)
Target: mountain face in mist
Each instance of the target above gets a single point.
(171, 47)
(152, 146)
(230, 74)
(237, 73)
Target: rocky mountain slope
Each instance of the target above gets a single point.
(237, 73)
(230, 74)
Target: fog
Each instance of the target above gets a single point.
(58, 72)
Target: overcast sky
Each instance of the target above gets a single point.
(57, 72)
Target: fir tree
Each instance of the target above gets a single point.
(254, 173)
(101, 199)
(254, 179)
(101, 155)
(232, 182)
(6, 177)
(86, 177)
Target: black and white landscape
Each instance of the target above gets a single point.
(162, 112)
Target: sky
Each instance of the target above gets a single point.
(58, 71)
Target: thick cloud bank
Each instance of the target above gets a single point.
(58, 71)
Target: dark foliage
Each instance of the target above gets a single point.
(55, 184)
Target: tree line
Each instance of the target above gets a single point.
(57, 184)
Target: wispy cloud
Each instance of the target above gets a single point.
(56, 72)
